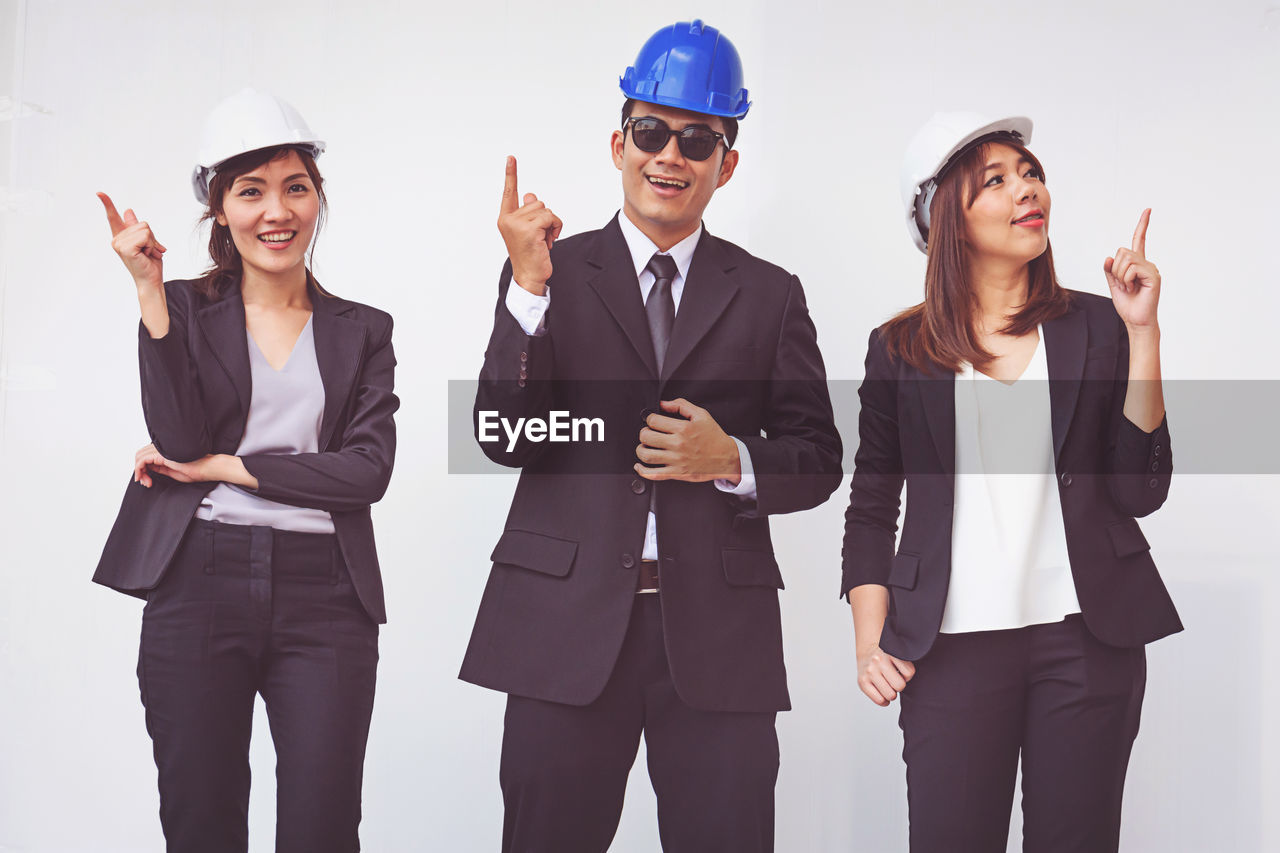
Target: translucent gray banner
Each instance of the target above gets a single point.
(1216, 426)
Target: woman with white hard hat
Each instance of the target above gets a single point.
(1027, 422)
(247, 526)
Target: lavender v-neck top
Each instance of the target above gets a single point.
(285, 410)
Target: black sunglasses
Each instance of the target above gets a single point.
(696, 141)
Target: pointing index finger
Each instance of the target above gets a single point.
(113, 216)
(510, 198)
(1139, 244)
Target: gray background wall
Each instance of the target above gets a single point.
(1137, 103)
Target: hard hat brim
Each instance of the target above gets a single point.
(737, 112)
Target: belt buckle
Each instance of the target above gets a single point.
(647, 581)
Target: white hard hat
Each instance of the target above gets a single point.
(934, 146)
(247, 121)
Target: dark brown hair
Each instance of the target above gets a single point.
(730, 124)
(939, 333)
(227, 267)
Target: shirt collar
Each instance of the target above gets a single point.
(642, 248)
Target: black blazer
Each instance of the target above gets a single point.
(563, 581)
(1109, 472)
(195, 398)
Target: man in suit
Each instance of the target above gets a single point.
(634, 588)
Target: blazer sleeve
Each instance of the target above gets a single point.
(171, 401)
(515, 380)
(358, 472)
(875, 493)
(797, 460)
(1139, 464)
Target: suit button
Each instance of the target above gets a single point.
(638, 486)
(628, 561)
(524, 356)
(1156, 450)
(524, 374)
(1153, 482)
(1155, 466)
(521, 382)
(1066, 479)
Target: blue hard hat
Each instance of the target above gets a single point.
(689, 66)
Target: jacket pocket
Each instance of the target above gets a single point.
(1126, 538)
(751, 568)
(536, 551)
(903, 571)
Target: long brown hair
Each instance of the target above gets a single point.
(940, 333)
(227, 267)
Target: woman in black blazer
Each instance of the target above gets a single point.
(247, 528)
(1011, 618)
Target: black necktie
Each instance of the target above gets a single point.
(660, 307)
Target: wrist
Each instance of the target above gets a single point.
(224, 468)
(1144, 332)
(867, 647)
(732, 465)
(531, 284)
(149, 288)
(1144, 343)
(212, 468)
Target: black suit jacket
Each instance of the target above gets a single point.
(563, 582)
(1109, 472)
(195, 398)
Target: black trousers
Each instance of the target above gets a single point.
(564, 768)
(248, 610)
(1066, 702)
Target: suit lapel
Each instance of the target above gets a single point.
(613, 278)
(222, 324)
(938, 399)
(1065, 341)
(339, 351)
(708, 290)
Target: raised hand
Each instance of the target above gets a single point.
(529, 230)
(1134, 280)
(136, 245)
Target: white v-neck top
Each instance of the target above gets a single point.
(285, 411)
(1009, 563)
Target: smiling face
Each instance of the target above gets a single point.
(665, 193)
(1007, 217)
(271, 214)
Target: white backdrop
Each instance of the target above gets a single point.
(1164, 103)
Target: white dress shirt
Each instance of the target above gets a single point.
(1009, 563)
(530, 312)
